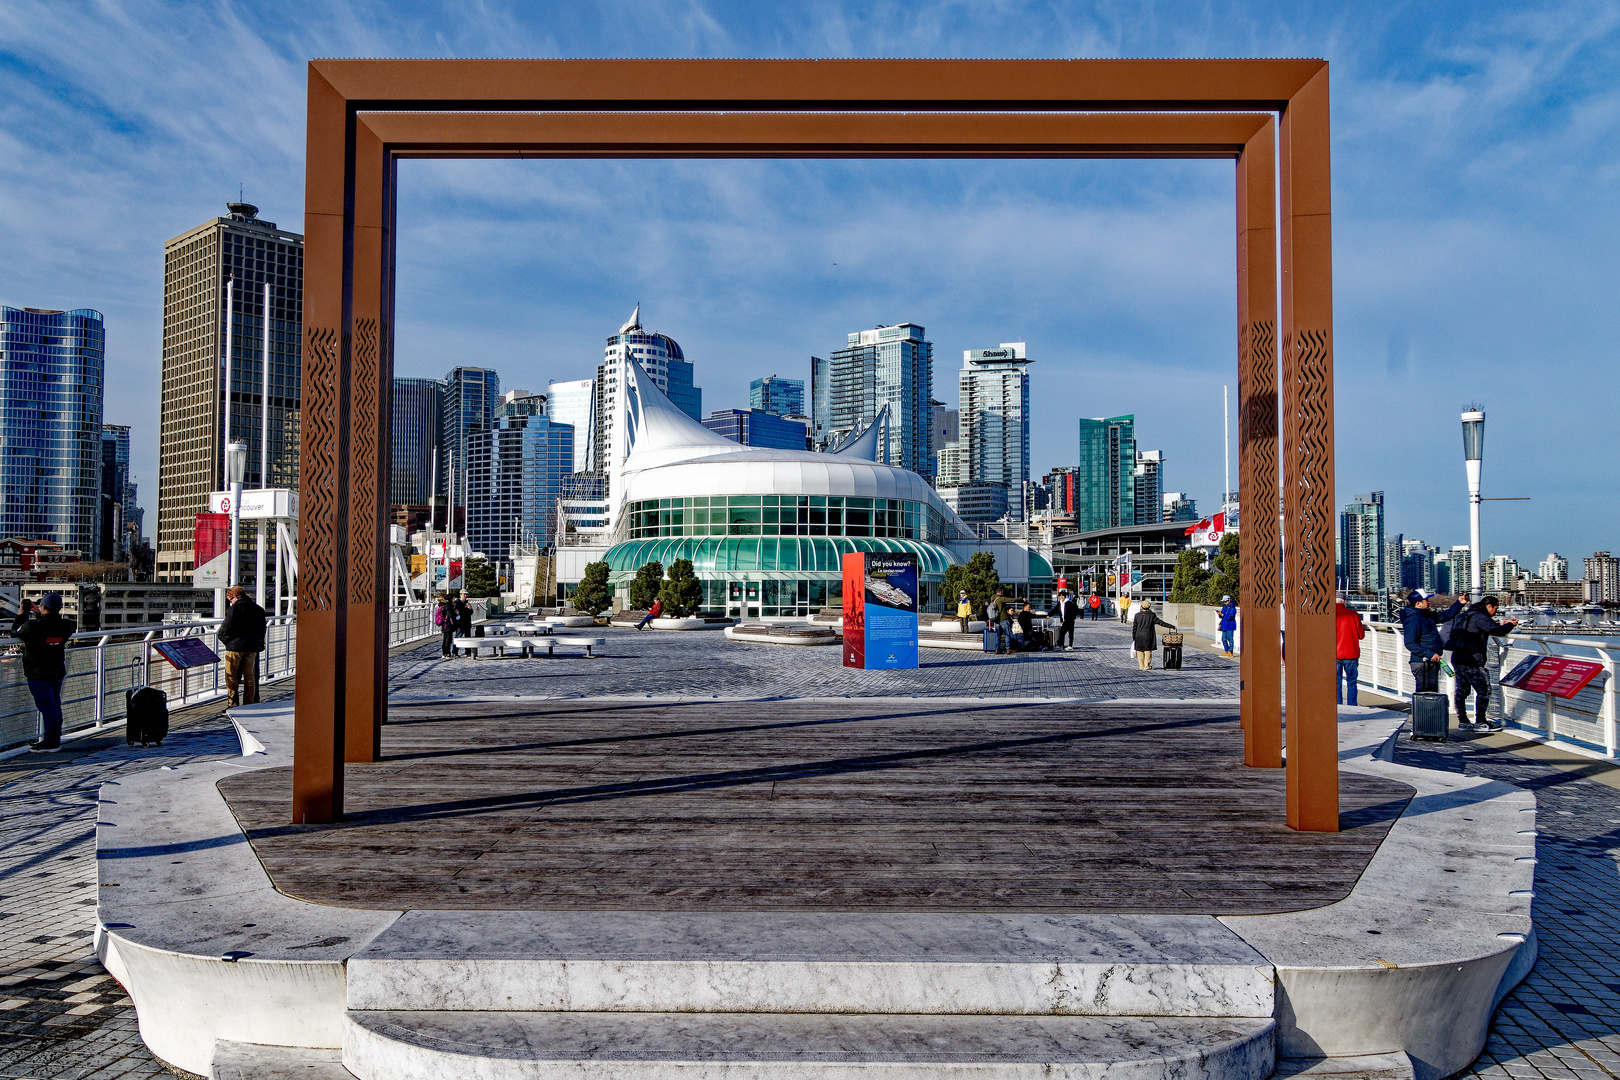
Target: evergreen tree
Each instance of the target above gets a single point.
(479, 579)
(592, 595)
(978, 576)
(1191, 577)
(644, 587)
(1224, 579)
(682, 592)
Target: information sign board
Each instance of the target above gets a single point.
(880, 610)
(187, 652)
(1561, 676)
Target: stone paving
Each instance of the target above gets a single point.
(63, 1018)
(704, 662)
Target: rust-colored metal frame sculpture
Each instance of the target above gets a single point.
(1270, 116)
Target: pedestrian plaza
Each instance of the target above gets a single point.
(62, 1016)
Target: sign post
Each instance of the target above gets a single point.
(880, 610)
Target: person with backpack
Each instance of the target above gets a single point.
(242, 634)
(444, 617)
(1470, 634)
(44, 644)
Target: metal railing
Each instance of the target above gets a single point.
(1590, 720)
(103, 665)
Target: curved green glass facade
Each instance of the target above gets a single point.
(785, 515)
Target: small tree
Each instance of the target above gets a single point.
(644, 587)
(978, 576)
(592, 595)
(1191, 577)
(682, 592)
(479, 579)
(1224, 580)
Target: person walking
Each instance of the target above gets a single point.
(653, 612)
(1228, 624)
(1096, 608)
(1421, 635)
(1145, 634)
(44, 644)
(1066, 610)
(242, 635)
(1470, 635)
(999, 614)
(444, 617)
(1349, 630)
(964, 610)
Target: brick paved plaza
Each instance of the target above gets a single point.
(63, 1018)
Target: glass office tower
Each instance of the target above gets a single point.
(1107, 473)
(890, 365)
(994, 419)
(777, 396)
(417, 420)
(467, 407)
(574, 403)
(517, 470)
(51, 367)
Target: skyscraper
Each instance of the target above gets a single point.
(1417, 566)
(890, 365)
(1361, 544)
(517, 468)
(820, 402)
(756, 427)
(1553, 568)
(1149, 485)
(661, 358)
(777, 396)
(1178, 507)
(994, 388)
(197, 264)
(1461, 566)
(1394, 556)
(51, 366)
(1107, 473)
(119, 515)
(468, 406)
(574, 403)
(1604, 569)
(418, 420)
(1062, 483)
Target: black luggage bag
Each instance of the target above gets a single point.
(1431, 717)
(146, 716)
(1172, 658)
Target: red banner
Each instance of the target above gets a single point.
(854, 567)
(1556, 675)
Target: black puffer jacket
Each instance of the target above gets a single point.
(1470, 633)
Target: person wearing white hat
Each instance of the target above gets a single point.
(1228, 624)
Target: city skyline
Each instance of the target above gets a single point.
(1490, 253)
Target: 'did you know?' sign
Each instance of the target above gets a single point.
(880, 610)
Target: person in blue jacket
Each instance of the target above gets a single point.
(1228, 624)
(1421, 632)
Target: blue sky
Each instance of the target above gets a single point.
(1476, 189)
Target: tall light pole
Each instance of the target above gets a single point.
(235, 468)
(1473, 425)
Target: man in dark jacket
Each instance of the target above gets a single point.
(242, 635)
(1422, 638)
(1066, 610)
(44, 644)
(1470, 634)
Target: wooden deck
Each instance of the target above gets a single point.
(798, 805)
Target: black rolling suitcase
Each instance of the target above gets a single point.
(990, 638)
(1431, 717)
(1172, 658)
(146, 716)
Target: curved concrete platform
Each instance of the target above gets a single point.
(1400, 978)
(756, 1046)
(772, 634)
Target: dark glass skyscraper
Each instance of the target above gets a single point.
(51, 367)
(517, 468)
(470, 397)
(755, 427)
(777, 396)
(418, 420)
(893, 366)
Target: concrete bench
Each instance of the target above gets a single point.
(588, 643)
(497, 646)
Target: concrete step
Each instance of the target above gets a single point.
(776, 1046)
(1396, 1066)
(1117, 965)
(252, 1061)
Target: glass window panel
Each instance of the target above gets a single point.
(743, 500)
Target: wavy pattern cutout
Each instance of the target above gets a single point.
(318, 469)
(364, 468)
(1313, 453)
(1257, 427)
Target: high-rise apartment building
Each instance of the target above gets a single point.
(120, 527)
(756, 427)
(1394, 557)
(889, 365)
(1553, 568)
(1361, 544)
(574, 403)
(661, 358)
(820, 402)
(994, 419)
(1604, 569)
(247, 253)
(467, 407)
(1149, 486)
(51, 368)
(1461, 565)
(1499, 573)
(777, 396)
(518, 467)
(1107, 473)
(1179, 507)
(1417, 566)
(1442, 573)
(418, 421)
(1062, 483)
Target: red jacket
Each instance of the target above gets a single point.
(1349, 629)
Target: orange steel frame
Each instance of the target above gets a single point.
(1269, 116)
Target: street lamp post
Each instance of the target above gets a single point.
(235, 470)
(1473, 424)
